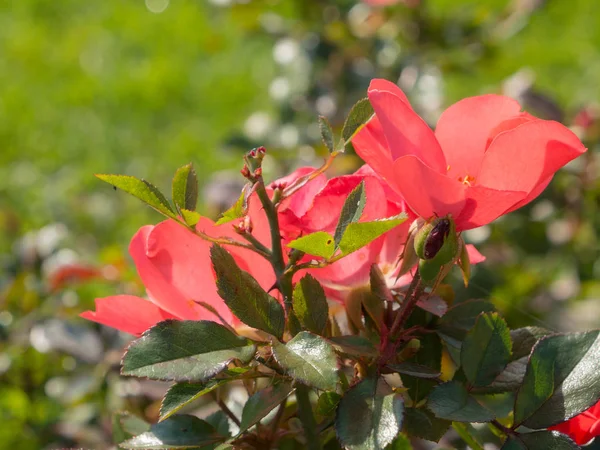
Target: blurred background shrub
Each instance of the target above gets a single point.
(143, 87)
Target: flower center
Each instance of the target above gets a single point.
(467, 180)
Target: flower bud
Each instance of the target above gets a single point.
(437, 241)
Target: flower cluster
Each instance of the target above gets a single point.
(485, 158)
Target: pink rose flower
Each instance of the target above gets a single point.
(582, 428)
(175, 267)
(485, 159)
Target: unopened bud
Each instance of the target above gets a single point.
(245, 171)
(258, 172)
(261, 151)
(248, 224)
(437, 241)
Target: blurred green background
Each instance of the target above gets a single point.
(143, 87)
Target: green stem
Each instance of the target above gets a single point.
(284, 282)
(257, 244)
(466, 436)
(277, 260)
(306, 417)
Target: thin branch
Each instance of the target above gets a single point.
(225, 409)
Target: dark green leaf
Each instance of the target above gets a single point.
(359, 234)
(319, 243)
(185, 351)
(237, 211)
(360, 113)
(354, 345)
(422, 423)
(220, 421)
(185, 188)
(308, 358)
(486, 349)
(182, 394)
(429, 355)
(524, 339)
(367, 420)
(327, 404)
(126, 426)
(459, 319)
(142, 190)
(310, 304)
(562, 380)
(261, 404)
(546, 440)
(452, 401)
(463, 315)
(176, 432)
(326, 133)
(508, 381)
(244, 296)
(351, 211)
(415, 370)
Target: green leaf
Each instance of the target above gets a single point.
(237, 211)
(359, 234)
(452, 401)
(423, 424)
(244, 296)
(509, 380)
(176, 432)
(308, 358)
(262, 403)
(187, 350)
(486, 350)
(354, 205)
(220, 421)
(378, 283)
(327, 404)
(415, 370)
(182, 394)
(354, 345)
(429, 355)
(367, 420)
(185, 188)
(142, 190)
(310, 304)
(562, 380)
(546, 440)
(126, 426)
(524, 339)
(319, 243)
(191, 218)
(326, 133)
(458, 320)
(360, 113)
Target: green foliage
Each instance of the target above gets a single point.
(262, 403)
(244, 296)
(143, 190)
(237, 211)
(452, 401)
(310, 304)
(185, 188)
(185, 351)
(486, 350)
(359, 234)
(326, 134)
(422, 423)
(550, 440)
(175, 432)
(309, 359)
(182, 394)
(353, 208)
(561, 380)
(366, 419)
(360, 113)
(318, 243)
